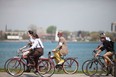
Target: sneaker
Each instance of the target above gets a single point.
(107, 74)
(62, 61)
(27, 70)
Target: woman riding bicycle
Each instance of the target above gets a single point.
(35, 51)
(61, 49)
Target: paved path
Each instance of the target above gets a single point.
(3, 74)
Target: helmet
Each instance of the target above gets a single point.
(102, 37)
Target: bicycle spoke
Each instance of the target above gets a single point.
(45, 68)
(91, 68)
(15, 68)
(84, 67)
(70, 66)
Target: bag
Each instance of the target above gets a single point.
(64, 50)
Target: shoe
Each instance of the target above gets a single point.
(107, 74)
(27, 70)
(62, 61)
(36, 72)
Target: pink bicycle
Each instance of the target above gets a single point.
(46, 66)
(16, 66)
(70, 65)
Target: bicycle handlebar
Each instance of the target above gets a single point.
(95, 52)
(19, 51)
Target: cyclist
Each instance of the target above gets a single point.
(107, 38)
(31, 40)
(61, 49)
(35, 51)
(106, 45)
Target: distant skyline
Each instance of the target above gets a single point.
(70, 15)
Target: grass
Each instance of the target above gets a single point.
(56, 72)
(2, 70)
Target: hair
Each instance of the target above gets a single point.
(30, 32)
(60, 33)
(33, 34)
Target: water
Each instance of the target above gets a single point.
(82, 50)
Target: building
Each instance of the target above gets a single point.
(14, 35)
(113, 27)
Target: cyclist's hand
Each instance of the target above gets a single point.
(18, 51)
(53, 50)
(24, 51)
(96, 54)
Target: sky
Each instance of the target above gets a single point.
(70, 15)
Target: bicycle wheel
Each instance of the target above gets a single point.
(84, 67)
(15, 67)
(70, 66)
(6, 64)
(91, 68)
(113, 70)
(46, 69)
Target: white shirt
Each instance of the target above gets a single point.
(37, 44)
(107, 38)
(31, 40)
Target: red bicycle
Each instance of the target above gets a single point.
(16, 66)
(70, 65)
(46, 66)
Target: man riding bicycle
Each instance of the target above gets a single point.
(61, 49)
(106, 45)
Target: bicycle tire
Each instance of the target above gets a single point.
(70, 66)
(46, 68)
(15, 67)
(84, 67)
(91, 68)
(6, 63)
(113, 70)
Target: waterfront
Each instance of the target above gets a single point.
(82, 50)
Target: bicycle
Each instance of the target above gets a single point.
(46, 66)
(85, 64)
(69, 66)
(97, 65)
(16, 66)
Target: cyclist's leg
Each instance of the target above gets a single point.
(30, 58)
(25, 56)
(28, 68)
(58, 58)
(37, 54)
(106, 56)
(108, 61)
(56, 55)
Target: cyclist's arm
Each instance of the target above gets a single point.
(59, 44)
(99, 51)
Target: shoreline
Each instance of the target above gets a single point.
(44, 41)
(13, 40)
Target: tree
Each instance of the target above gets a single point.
(51, 29)
(94, 36)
